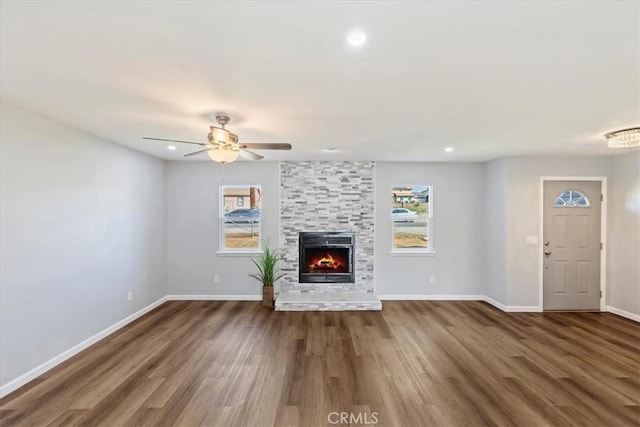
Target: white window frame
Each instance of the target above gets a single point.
(222, 250)
(430, 249)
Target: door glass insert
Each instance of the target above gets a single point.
(572, 199)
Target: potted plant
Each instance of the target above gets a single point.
(268, 272)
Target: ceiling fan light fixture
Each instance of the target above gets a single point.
(624, 138)
(223, 154)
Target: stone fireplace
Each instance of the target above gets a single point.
(330, 199)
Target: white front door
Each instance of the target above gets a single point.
(571, 245)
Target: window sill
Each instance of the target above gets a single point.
(412, 253)
(239, 253)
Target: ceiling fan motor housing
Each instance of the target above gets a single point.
(223, 120)
(233, 138)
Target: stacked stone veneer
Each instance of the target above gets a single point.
(327, 196)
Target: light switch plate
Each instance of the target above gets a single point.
(532, 240)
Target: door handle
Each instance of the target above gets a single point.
(547, 252)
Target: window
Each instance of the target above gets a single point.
(412, 219)
(572, 199)
(240, 225)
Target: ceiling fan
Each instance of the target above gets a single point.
(223, 146)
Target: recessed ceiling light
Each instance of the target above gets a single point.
(330, 150)
(448, 150)
(171, 147)
(356, 38)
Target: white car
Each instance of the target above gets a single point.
(403, 215)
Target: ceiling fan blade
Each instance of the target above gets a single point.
(276, 146)
(202, 144)
(249, 155)
(198, 152)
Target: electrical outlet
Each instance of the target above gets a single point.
(432, 280)
(129, 296)
(216, 279)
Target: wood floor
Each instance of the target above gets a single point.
(413, 364)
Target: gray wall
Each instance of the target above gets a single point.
(523, 217)
(192, 229)
(494, 230)
(82, 223)
(193, 226)
(623, 286)
(457, 203)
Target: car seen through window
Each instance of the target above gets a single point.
(242, 216)
(403, 215)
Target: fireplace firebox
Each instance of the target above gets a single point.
(326, 257)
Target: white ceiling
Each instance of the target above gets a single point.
(490, 79)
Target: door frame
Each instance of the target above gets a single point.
(603, 234)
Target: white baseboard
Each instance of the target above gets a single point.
(499, 305)
(403, 297)
(512, 308)
(623, 313)
(52, 363)
(495, 303)
(214, 297)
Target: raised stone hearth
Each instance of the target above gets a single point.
(328, 301)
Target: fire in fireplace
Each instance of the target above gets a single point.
(330, 260)
(326, 257)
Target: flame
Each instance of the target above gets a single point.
(326, 262)
(327, 259)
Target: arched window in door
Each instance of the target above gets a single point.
(572, 199)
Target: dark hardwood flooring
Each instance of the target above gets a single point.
(413, 364)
